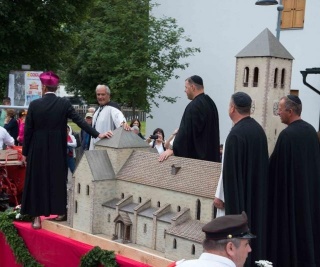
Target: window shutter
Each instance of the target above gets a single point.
(293, 14)
(287, 14)
(298, 18)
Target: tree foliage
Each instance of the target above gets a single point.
(123, 45)
(37, 32)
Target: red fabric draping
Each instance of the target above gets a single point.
(52, 250)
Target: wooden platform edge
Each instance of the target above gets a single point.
(107, 244)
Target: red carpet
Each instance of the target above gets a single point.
(52, 250)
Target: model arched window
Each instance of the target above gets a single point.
(88, 190)
(174, 243)
(275, 79)
(109, 218)
(193, 250)
(139, 199)
(283, 74)
(158, 204)
(246, 77)
(178, 208)
(255, 77)
(145, 228)
(122, 195)
(198, 209)
(79, 188)
(75, 206)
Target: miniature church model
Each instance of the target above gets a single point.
(122, 192)
(263, 70)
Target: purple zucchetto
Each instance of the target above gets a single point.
(49, 78)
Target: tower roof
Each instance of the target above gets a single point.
(123, 139)
(100, 165)
(265, 45)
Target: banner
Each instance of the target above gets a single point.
(24, 86)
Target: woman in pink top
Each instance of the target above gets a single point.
(21, 122)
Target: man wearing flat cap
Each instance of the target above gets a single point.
(227, 243)
(294, 190)
(198, 136)
(243, 182)
(44, 151)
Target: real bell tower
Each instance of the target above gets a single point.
(263, 70)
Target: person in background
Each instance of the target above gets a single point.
(137, 123)
(294, 189)
(5, 138)
(156, 140)
(108, 96)
(85, 137)
(91, 110)
(169, 142)
(227, 243)
(71, 152)
(21, 124)
(3, 114)
(11, 125)
(44, 152)
(106, 118)
(198, 136)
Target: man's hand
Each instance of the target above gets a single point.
(108, 134)
(24, 160)
(126, 126)
(166, 154)
(218, 203)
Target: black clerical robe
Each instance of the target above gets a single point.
(45, 146)
(198, 135)
(245, 174)
(294, 210)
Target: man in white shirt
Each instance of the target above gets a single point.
(226, 243)
(5, 138)
(106, 118)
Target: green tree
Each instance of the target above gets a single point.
(37, 32)
(125, 46)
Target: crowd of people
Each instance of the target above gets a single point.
(275, 196)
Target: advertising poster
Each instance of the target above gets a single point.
(24, 86)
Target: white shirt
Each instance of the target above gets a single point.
(72, 144)
(5, 138)
(159, 147)
(220, 191)
(106, 119)
(207, 260)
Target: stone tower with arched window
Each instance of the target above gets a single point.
(263, 70)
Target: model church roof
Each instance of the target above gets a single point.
(123, 139)
(195, 177)
(100, 165)
(265, 45)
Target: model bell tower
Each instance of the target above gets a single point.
(263, 70)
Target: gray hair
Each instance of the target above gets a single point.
(209, 244)
(289, 104)
(105, 87)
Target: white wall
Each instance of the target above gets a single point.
(222, 29)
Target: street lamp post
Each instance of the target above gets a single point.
(279, 8)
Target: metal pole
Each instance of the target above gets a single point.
(279, 8)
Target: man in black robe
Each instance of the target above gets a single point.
(45, 151)
(294, 178)
(245, 172)
(198, 134)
